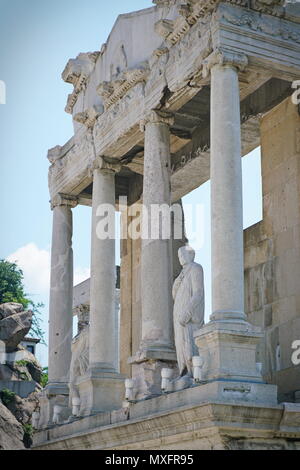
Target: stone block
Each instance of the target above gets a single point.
(229, 350)
(100, 392)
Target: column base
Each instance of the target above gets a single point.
(100, 390)
(147, 365)
(55, 394)
(226, 315)
(228, 349)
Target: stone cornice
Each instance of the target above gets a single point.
(77, 72)
(54, 154)
(224, 57)
(89, 117)
(113, 91)
(190, 11)
(64, 200)
(157, 117)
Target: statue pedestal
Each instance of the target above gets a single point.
(146, 370)
(54, 395)
(228, 350)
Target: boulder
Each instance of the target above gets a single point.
(14, 326)
(22, 408)
(11, 431)
(10, 308)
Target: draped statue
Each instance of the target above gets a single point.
(189, 302)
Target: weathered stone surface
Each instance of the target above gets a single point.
(22, 408)
(11, 431)
(15, 325)
(10, 308)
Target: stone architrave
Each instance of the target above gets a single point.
(189, 304)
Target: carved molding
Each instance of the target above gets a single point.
(64, 200)
(54, 154)
(190, 11)
(157, 117)
(99, 163)
(264, 24)
(77, 72)
(89, 117)
(113, 91)
(222, 57)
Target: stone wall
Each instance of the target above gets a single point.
(272, 256)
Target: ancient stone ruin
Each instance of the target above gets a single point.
(176, 96)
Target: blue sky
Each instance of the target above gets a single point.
(36, 40)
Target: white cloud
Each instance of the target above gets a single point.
(35, 264)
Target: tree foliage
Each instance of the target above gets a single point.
(12, 290)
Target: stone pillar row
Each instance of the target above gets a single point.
(228, 342)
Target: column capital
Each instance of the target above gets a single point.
(64, 200)
(224, 58)
(99, 163)
(157, 117)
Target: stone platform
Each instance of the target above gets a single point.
(231, 419)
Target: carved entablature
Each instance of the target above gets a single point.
(113, 91)
(190, 11)
(89, 117)
(270, 7)
(77, 72)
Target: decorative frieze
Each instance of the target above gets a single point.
(190, 11)
(77, 72)
(253, 21)
(113, 91)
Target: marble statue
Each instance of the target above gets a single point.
(80, 353)
(189, 301)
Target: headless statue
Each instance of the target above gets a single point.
(189, 302)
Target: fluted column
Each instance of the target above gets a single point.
(61, 293)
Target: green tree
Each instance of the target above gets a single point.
(12, 290)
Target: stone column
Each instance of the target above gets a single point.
(156, 266)
(157, 345)
(228, 343)
(226, 195)
(61, 295)
(103, 388)
(103, 277)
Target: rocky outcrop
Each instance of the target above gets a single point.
(15, 323)
(11, 431)
(20, 374)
